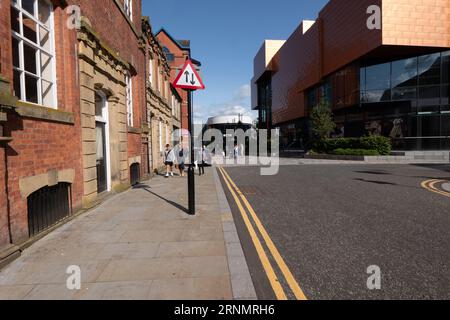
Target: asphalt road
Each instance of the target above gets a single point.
(331, 222)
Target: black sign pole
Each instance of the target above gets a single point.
(191, 170)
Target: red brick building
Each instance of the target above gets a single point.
(72, 110)
(391, 80)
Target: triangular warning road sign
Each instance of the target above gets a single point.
(188, 78)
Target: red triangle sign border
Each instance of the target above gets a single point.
(188, 87)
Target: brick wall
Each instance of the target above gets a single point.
(38, 147)
(5, 40)
(124, 41)
(134, 144)
(179, 60)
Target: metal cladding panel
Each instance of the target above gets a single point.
(298, 66)
(345, 34)
(416, 23)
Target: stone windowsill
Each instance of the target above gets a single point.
(4, 141)
(134, 130)
(30, 110)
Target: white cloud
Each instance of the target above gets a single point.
(243, 93)
(239, 103)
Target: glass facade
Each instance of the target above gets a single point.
(265, 103)
(406, 100)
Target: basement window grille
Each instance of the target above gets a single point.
(48, 206)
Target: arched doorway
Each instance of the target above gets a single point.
(134, 174)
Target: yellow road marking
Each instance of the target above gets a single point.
(430, 185)
(293, 284)
(274, 282)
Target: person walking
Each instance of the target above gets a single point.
(202, 161)
(181, 159)
(236, 151)
(169, 160)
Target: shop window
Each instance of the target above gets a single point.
(446, 67)
(404, 93)
(430, 69)
(33, 51)
(312, 98)
(445, 94)
(378, 77)
(445, 125)
(428, 125)
(429, 95)
(404, 73)
(374, 96)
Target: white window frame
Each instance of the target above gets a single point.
(165, 88)
(37, 46)
(129, 99)
(160, 136)
(150, 71)
(173, 105)
(159, 79)
(128, 8)
(167, 134)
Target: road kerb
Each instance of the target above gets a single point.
(241, 280)
(273, 279)
(292, 282)
(430, 185)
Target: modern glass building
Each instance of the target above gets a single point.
(406, 100)
(392, 82)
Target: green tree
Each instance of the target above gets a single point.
(322, 121)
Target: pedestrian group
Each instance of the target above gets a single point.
(175, 157)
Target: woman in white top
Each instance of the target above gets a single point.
(169, 160)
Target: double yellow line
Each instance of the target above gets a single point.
(430, 185)
(240, 199)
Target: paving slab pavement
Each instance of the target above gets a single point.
(140, 244)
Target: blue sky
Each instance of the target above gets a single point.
(225, 36)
